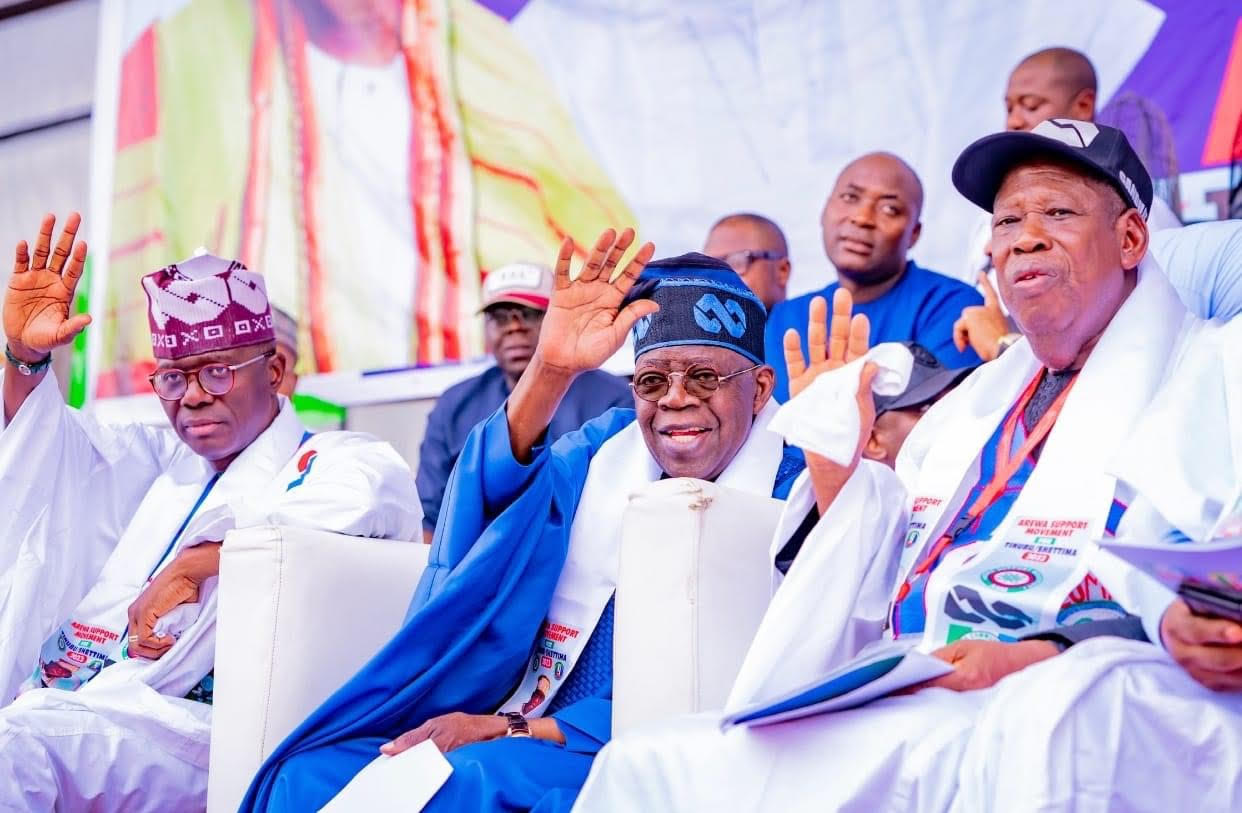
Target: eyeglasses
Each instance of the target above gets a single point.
(740, 261)
(213, 379)
(699, 382)
(501, 316)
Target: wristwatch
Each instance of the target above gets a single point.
(26, 367)
(518, 725)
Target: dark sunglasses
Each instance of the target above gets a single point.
(699, 382)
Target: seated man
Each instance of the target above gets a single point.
(870, 223)
(112, 534)
(515, 610)
(515, 298)
(986, 529)
(286, 329)
(755, 248)
(1052, 83)
(1126, 727)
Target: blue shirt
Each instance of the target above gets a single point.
(466, 404)
(922, 307)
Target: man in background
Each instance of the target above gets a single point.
(755, 248)
(870, 222)
(286, 329)
(515, 298)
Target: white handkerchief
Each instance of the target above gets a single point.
(402, 783)
(823, 418)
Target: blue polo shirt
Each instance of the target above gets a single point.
(922, 307)
(467, 403)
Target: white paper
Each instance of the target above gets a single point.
(405, 782)
(1218, 562)
(913, 667)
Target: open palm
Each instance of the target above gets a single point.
(828, 347)
(585, 323)
(40, 292)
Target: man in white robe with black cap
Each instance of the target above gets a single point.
(113, 535)
(985, 534)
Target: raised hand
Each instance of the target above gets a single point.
(982, 326)
(828, 347)
(585, 323)
(36, 305)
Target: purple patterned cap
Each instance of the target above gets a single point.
(206, 303)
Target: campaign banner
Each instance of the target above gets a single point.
(375, 160)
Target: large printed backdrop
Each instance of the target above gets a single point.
(374, 159)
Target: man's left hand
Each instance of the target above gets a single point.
(982, 664)
(1209, 649)
(982, 326)
(449, 731)
(175, 585)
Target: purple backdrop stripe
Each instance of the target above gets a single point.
(1184, 68)
(504, 8)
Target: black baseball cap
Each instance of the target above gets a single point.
(929, 379)
(1102, 151)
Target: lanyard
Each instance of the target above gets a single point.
(197, 505)
(1006, 466)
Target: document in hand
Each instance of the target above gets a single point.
(404, 783)
(876, 672)
(1217, 563)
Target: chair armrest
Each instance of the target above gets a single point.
(693, 582)
(299, 613)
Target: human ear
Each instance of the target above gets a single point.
(765, 383)
(1132, 238)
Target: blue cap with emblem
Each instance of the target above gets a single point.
(702, 302)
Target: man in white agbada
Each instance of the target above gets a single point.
(1116, 724)
(984, 535)
(112, 534)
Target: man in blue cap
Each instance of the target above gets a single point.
(505, 660)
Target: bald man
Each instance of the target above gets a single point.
(869, 224)
(1055, 83)
(753, 246)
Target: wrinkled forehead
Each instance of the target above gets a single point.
(683, 357)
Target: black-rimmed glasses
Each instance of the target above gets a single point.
(214, 379)
(740, 261)
(699, 382)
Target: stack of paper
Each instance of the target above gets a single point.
(876, 672)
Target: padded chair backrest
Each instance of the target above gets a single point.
(299, 613)
(693, 582)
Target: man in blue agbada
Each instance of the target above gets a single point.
(505, 660)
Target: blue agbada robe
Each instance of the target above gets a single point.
(467, 640)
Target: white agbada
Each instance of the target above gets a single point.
(899, 753)
(1118, 725)
(100, 511)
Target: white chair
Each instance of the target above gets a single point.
(695, 578)
(299, 613)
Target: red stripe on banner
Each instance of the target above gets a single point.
(134, 246)
(295, 52)
(137, 116)
(566, 171)
(1224, 138)
(526, 180)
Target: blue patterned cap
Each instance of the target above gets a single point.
(702, 302)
